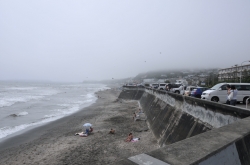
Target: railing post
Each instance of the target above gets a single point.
(247, 101)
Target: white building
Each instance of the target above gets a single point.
(181, 81)
(233, 72)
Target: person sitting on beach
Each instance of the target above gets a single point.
(86, 133)
(112, 131)
(129, 138)
(89, 130)
(135, 116)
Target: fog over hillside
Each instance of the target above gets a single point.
(64, 40)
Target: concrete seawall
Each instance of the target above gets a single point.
(132, 93)
(178, 122)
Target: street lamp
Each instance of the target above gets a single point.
(241, 69)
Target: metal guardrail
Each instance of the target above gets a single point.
(247, 101)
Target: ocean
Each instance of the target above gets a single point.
(25, 105)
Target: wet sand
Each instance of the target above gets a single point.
(55, 143)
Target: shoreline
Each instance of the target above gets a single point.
(21, 134)
(55, 143)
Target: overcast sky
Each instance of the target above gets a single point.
(78, 40)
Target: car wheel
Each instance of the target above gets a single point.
(178, 92)
(215, 99)
(245, 99)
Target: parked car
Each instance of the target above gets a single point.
(177, 88)
(140, 85)
(170, 86)
(162, 86)
(197, 92)
(218, 93)
(154, 85)
(188, 90)
(130, 85)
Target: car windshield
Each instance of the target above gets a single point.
(216, 87)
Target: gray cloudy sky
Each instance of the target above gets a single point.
(65, 40)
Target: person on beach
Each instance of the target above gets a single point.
(86, 133)
(129, 138)
(135, 116)
(112, 131)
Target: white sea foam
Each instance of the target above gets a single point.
(48, 92)
(87, 101)
(17, 97)
(22, 88)
(59, 113)
(90, 95)
(5, 131)
(8, 101)
(68, 111)
(64, 105)
(4, 103)
(22, 113)
(78, 102)
(49, 116)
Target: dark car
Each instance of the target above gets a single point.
(140, 85)
(156, 86)
(196, 92)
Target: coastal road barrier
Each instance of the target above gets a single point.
(175, 118)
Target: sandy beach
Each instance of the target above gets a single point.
(55, 143)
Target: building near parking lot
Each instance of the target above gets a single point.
(234, 73)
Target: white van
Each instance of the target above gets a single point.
(218, 93)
